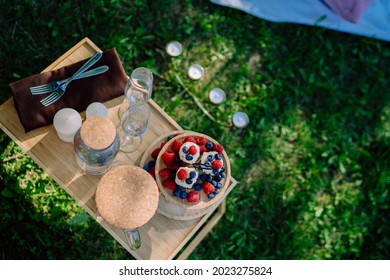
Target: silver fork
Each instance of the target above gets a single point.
(54, 85)
(59, 92)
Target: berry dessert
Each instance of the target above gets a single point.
(212, 162)
(189, 152)
(186, 177)
(191, 169)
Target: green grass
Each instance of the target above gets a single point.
(313, 165)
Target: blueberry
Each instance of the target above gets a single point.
(197, 179)
(222, 169)
(217, 191)
(218, 156)
(211, 195)
(180, 188)
(203, 177)
(192, 174)
(223, 175)
(189, 157)
(214, 183)
(209, 145)
(172, 175)
(169, 137)
(146, 167)
(210, 158)
(209, 178)
(185, 149)
(197, 187)
(217, 178)
(177, 159)
(219, 185)
(176, 192)
(183, 194)
(207, 164)
(152, 162)
(189, 181)
(215, 171)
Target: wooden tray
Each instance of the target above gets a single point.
(162, 237)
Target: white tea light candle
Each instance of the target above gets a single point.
(217, 95)
(240, 119)
(66, 123)
(96, 109)
(174, 48)
(195, 72)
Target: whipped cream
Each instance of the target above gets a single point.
(188, 182)
(205, 159)
(186, 156)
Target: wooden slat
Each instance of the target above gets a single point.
(162, 237)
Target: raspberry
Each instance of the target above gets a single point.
(170, 184)
(182, 174)
(176, 146)
(175, 166)
(217, 164)
(192, 150)
(218, 148)
(201, 141)
(155, 153)
(189, 139)
(202, 149)
(193, 197)
(152, 171)
(208, 188)
(165, 173)
(168, 158)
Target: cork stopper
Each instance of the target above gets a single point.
(127, 197)
(98, 132)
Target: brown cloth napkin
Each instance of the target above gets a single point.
(79, 93)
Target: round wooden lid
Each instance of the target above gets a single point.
(98, 132)
(127, 197)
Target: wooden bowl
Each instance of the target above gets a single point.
(165, 207)
(204, 201)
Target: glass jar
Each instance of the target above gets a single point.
(96, 144)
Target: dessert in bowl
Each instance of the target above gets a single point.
(192, 170)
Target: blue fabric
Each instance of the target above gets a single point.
(374, 23)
